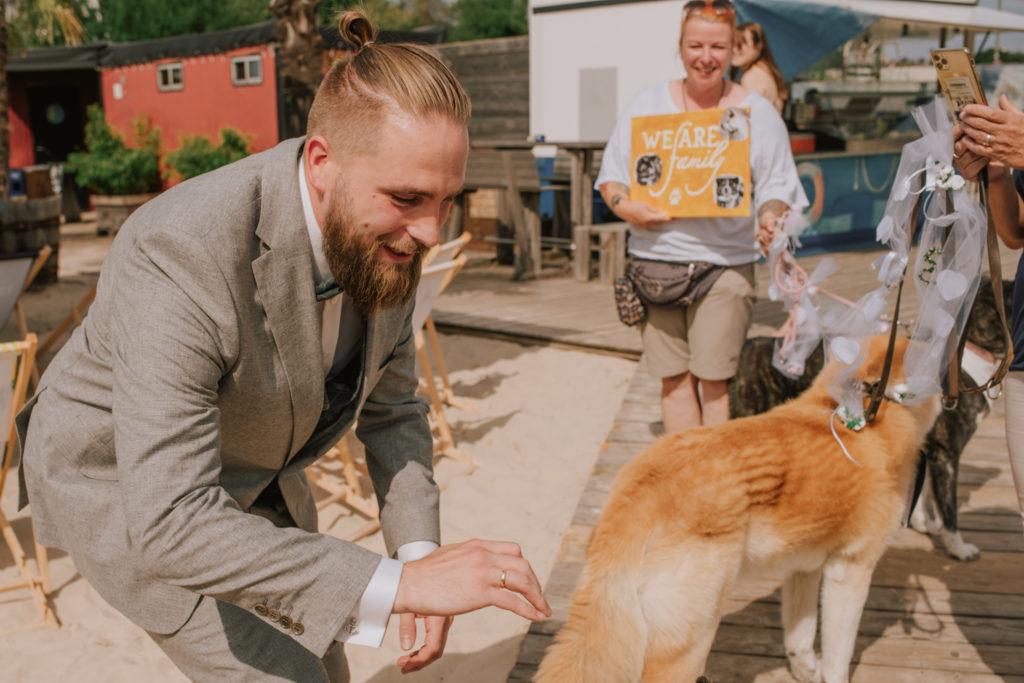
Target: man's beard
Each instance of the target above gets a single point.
(371, 282)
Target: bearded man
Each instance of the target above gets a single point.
(166, 445)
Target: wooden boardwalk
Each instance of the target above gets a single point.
(557, 309)
(929, 618)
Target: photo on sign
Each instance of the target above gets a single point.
(728, 191)
(735, 124)
(648, 169)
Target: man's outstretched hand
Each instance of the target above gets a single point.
(460, 578)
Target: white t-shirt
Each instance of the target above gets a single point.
(724, 241)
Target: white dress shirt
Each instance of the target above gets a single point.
(369, 620)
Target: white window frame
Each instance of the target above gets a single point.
(247, 61)
(170, 70)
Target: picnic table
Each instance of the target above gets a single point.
(509, 166)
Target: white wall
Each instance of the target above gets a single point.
(639, 39)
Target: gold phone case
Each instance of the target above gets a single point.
(958, 78)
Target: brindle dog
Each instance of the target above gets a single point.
(758, 387)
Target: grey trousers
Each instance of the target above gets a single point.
(1013, 387)
(221, 642)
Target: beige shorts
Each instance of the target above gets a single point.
(705, 338)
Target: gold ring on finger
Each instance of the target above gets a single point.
(988, 139)
(504, 575)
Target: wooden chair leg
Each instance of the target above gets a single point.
(70, 322)
(446, 442)
(36, 586)
(437, 355)
(43, 563)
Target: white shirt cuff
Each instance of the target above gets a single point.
(368, 622)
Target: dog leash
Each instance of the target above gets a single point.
(995, 270)
(877, 390)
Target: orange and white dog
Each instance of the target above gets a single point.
(700, 508)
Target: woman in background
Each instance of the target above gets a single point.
(760, 72)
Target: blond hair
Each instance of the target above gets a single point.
(403, 77)
(726, 17)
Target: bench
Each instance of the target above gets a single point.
(609, 241)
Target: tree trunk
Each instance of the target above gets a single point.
(300, 61)
(5, 143)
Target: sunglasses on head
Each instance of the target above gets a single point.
(716, 10)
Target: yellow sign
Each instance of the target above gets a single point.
(693, 164)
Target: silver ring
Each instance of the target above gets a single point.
(988, 139)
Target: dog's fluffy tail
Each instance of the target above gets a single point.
(605, 634)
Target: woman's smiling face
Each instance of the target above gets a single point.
(706, 48)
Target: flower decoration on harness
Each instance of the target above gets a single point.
(945, 271)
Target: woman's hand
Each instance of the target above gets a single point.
(640, 214)
(967, 162)
(995, 134)
(769, 222)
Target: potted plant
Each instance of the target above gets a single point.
(122, 178)
(198, 154)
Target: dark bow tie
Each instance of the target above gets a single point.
(328, 289)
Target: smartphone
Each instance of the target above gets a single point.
(958, 78)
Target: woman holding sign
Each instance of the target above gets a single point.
(702, 170)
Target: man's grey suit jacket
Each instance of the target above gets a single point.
(189, 388)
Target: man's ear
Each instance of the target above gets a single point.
(319, 164)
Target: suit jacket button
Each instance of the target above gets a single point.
(298, 629)
(286, 622)
(273, 614)
(260, 609)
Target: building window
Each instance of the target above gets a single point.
(247, 70)
(170, 77)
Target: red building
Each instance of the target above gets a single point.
(187, 85)
(227, 80)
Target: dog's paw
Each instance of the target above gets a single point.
(805, 667)
(957, 547)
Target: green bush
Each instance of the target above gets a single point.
(198, 155)
(111, 168)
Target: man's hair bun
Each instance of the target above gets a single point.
(356, 28)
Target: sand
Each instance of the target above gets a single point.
(534, 419)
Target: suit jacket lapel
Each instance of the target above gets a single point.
(284, 278)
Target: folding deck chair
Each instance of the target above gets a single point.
(433, 281)
(17, 360)
(338, 473)
(440, 254)
(17, 271)
(73, 320)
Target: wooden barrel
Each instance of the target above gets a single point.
(30, 224)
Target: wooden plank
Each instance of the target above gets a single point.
(916, 603)
(744, 667)
(912, 653)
